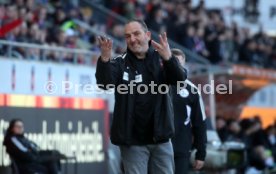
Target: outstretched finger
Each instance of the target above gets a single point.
(109, 43)
(105, 39)
(164, 37)
(100, 41)
(161, 39)
(156, 45)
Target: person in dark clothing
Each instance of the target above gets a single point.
(234, 131)
(270, 132)
(260, 145)
(189, 121)
(212, 34)
(143, 121)
(27, 155)
(157, 23)
(255, 143)
(221, 128)
(248, 51)
(189, 39)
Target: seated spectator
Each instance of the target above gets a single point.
(27, 155)
(221, 128)
(258, 157)
(271, 139)
(234, 131)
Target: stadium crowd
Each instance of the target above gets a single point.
(260, 143)
(47, 23)
(204, 31)
(201, 30)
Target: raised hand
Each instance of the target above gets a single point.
(163, 47)
(106, 48)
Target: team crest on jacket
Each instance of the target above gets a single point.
(184, 93)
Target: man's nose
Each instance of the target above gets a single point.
(132, 38)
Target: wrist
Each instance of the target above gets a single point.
(167, 57)
(104, 59)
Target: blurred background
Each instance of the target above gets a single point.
(48, 53)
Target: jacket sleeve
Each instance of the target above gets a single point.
(107, 73)
(174, 72)
(198, 119)
(18, 151)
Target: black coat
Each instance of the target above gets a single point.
(24, 153)
(21, 149)
(190, 125)
(163, 72)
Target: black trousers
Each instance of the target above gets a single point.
(47, 163)
(182, 164)
(51, 160)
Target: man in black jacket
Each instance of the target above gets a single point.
(189, 121)
(143, 120)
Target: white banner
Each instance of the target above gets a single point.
(46, 78)
(32, 77)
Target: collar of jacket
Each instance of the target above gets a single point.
(131, 58)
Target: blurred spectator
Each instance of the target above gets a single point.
(228, 46)
(200, 46)
(221, 128)
(213, 38)
(248, 53)
(188, 41)
(271, 139)
(27, 155)
(156, 20)
(23, 33)
(2, 12)
(260, 143)
(234, 132)
(258, 156)
(118, 32)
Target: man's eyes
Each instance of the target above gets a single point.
(135, 34)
